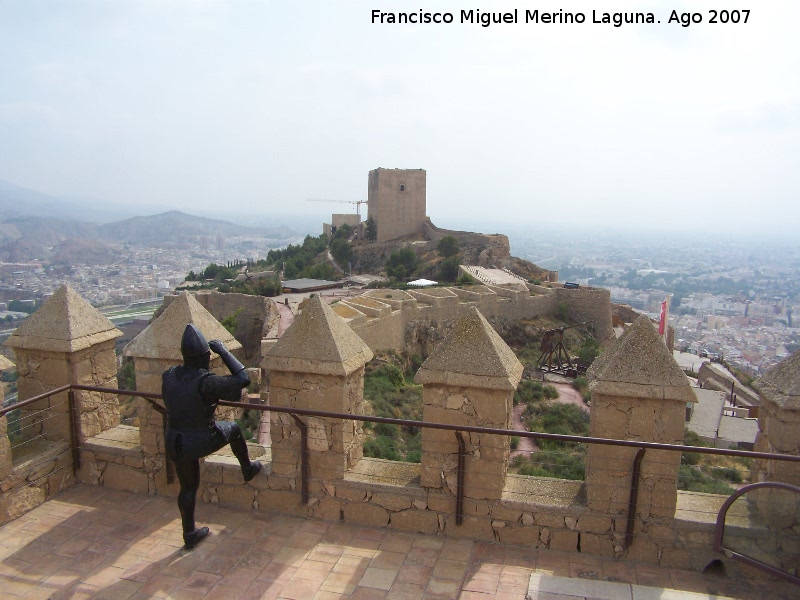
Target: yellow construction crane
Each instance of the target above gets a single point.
(358, 203)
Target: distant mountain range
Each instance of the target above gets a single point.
(18, 201)
(25, 234)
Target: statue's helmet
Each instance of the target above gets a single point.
(193, 342)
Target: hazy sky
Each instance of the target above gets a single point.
(256, 106)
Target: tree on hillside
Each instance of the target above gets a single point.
(448, 246)
(448, 269)
(402, 263)
(342, 251)
(372, 230)
(588, 351)
(343, 232)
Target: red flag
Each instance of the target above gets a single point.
(662, 321)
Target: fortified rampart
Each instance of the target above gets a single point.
(410, 320)
(715, 377)
(461, 488)
(476, 248)
(253, 318)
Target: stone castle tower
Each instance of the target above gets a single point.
(396, 202)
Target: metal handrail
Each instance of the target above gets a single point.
(719, 530)
(151, 397)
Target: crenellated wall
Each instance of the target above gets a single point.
(413, 320)
(468, 380)
(589, 304)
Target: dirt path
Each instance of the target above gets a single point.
(569, 395)
(566, 395)
(287, 318)
(526, 445)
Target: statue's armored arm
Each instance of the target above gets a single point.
(236, 368)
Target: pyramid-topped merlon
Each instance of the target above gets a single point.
(162, 338)
(781, 384)
(66, 322)
(639, 365)
(319, 341)
(472, 355)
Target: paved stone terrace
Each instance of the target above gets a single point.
(90, 542)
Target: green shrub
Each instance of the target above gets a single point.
(554, 464)
(690, 438)
(392, 395)
(465, 279)
(563, 419)
(533, 391)
(562, 311)
(514, 442)
(381, 447)
(550, 392)
(727, 473)
(387, 430)
(448, 246)
(693, 480)
(588, 351)
(402, 263)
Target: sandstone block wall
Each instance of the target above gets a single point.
(535, 512)
(256, 316)
(396, 201)
(334, 446)
(419, 318)
(486, 455)
(38, 373)
(589, 304)
(715, 378)
(779, 433)
(41, 371)
(609, 468)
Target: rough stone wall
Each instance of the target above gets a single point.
(779, 432)
(425, 319)
(40, 371)
(486, 455)
(535, 512)
(29, 481)
(589, 304)
(334, 445)
(96, 366)
(397, 213)
(256, 317)
(609, 468)
(714, 378)
(477, 248)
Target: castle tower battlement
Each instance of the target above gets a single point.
(396, 202)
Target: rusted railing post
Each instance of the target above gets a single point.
(460, 481)
(75, 431)
(637, 469)
(304, 466)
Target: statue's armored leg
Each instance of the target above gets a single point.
(233, 436)
(188, 472)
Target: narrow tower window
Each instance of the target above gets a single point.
(402, 187)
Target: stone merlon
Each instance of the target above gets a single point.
(48, 329)
(161, 339)
(639, 365)
(319, 341)
(781, 384)
(472, 355)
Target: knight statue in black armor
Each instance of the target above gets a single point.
(191, 393)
